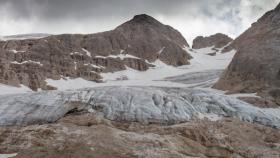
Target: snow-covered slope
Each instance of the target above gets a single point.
(24, 36)
(141, 104)
(202, 65)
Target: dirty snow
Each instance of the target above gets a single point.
(8, 155)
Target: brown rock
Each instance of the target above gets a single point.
(256, 65)
(218, 40)
(31, 61)
(86, 136)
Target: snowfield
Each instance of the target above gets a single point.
(203, 71)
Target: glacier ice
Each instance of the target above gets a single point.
(124, 103)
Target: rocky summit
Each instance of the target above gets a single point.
(218, 40)
(134, 44)
(256, 65)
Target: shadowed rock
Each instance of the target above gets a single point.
(256, 66)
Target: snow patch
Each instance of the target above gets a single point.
(15, 51)
(75, 65)
(8, 155)
(76, 53)
(27, 62)
(87, 52)
(121, 56)
(237, 95)
(161, 50)
(95, 66)
(202, 61)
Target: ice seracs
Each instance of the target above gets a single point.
(141, 104)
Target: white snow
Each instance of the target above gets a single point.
(121, 56)
(8, 155)
(95, 66)
(237, 95)
(201, 61)
(16, 51)
(75, 65)
(154, 76)
(76, 53)
(27, 62)
(87, 52)
(161, 50)
(5, 89)
(79, 83)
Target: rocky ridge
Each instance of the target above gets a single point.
(135, 44)
(218, 40)
(255, 67)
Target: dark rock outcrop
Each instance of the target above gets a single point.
(256, 65)
(218, 40)
(135, 44)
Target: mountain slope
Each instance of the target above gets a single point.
(256, 65)
(134, 44)
(218, 40)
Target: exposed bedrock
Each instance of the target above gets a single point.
(256, 65)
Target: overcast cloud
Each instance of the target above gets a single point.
(190, 17)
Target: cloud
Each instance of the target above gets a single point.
(190, 17)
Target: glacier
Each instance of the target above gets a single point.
(164, 105)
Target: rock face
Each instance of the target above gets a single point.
(256, 66)
(132, 104)
(134, 44)
(218, 40)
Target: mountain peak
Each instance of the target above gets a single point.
(144, 19)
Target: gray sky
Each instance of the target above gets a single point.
(190, 17)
